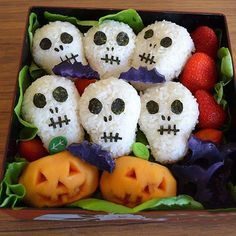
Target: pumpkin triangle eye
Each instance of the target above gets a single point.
(131, 174)
(41, 178)
(73, 170)
(162, 185)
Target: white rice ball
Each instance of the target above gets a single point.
(169, 113)
(165, 46)
(109, 111)
(56, 42)
(51, 104)
(109, 48)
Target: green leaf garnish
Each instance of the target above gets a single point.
(140, 137)
(129, 16)
(226, 66)
(181, 202)
(29, 131)
(140, 150)
(73, 20)
(33, 25)
(11, 192)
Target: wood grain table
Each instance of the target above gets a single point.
(12, 24)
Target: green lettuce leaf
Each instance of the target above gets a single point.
(29, 131)
(181, 202)
(226, 66)
(11, 192)
(33, 25)
(73, 20)
(35, 71)
(232, 189)
(129, 16)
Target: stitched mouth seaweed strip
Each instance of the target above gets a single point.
(111, 60)
(168, 130)
(59, 122)
(147, 59)
(110, 137)
(68, 59)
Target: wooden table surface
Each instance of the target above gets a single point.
(12, 22)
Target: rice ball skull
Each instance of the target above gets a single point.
(165, 46)
(109, 111)
(109, 48)
(169, 113)
(57, 42)
(51, 104)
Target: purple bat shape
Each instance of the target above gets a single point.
(143, 75)
(93, 154)
(76, 69)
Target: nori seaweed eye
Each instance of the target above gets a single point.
(166, 42)
(66, 38)
(100, 38)
(148, 34)
(45, 43)
(177, 107)
(152, 107)
(95, 106)
(39, 100)
(60, 94)
(118, 106)
(122, 39)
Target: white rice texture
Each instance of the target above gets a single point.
(168, 61)
(168, 145)
(95, 53)
(42, 117)
(121, 125)
(59, 50)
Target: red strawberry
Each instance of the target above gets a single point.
(205, 40)
(199, 73)
(32, 150)
(81, 84)
(212, 115)
(213, 135)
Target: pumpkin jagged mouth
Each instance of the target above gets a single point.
(127, 201)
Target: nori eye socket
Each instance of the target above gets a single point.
(45, 43)
(60, 94)
(100, 38)
(148, 34)
(39, 100)
(177, 107)
(95, 106)
(118, 106)
(122, 39)
(166, 42)
(66, 38)
(152, 107)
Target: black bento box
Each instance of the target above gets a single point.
(185, 19)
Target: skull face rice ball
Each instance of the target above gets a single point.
(51, 104)
(57, 42)
(109, 111)
(169, 113)
(109, 48)
(164, 46)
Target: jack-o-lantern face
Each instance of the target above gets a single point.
(57, 180)
(135, 181)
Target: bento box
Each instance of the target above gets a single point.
(203, 181)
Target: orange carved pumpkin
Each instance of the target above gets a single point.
(135, 181)
(57, 180)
